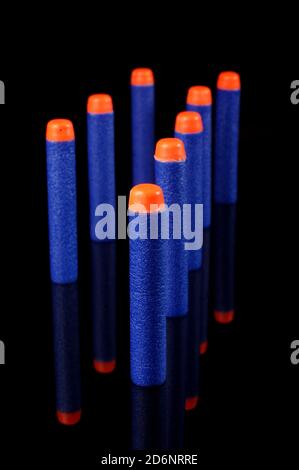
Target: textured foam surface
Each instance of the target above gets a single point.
(143, 133)
(205, 289)
(148, 307)
(62, 210)
(171, 177)
(101, 164)
(206, 115)
(66, 347)
(226, 146)
(224, 255)
(194, 152)
(103, 263)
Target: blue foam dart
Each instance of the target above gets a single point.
(199, 99)
(62, 206)
(226, 192)
(101, 160)
(143, 125)
(66, 352)
(189, 129)
(148, 289)
(101, 171)
(227, 138)
(170, 171)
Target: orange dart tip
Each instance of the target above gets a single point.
(146, 198)
(199, 96)
(229, 81)
(188, 122)
(100, 104)
(60, 130)
(170, 150)
(142, 77)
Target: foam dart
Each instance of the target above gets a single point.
(101, 173)
(143, 125)
(148, 287)
(227, 138)
(226, 192)
(199, 99)
(62, 205)
(170, 172)
(189, 128)
(61, 175)
(101, 159)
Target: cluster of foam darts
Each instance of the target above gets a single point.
(169, 284)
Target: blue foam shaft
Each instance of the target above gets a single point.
(101, 164)
(103, 285)
(66, 347)
(143, 133)
(62, 211)
(226, 146)
(205, 288)
(194, 164)
(148, 300)
(206, 115)
(171, 177)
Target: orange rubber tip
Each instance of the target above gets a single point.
(224, 317)
(69, 419)
(170, 150)
(60, 130)
(203, 347)
(199, 96)
(142, 77)
(229, 81)
(191, 403)
(146, 198)
(104, 367)
(100, 104)
(188, 122)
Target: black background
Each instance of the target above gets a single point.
(250, 390)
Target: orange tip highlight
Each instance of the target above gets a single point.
(100, 104)
(142, 77)
(170, 150)
(60, 130)
(146, 198)
(69, 419)
(203, 347)
(104, 367)
(188, 122)
(224, 317)
(191, 403)
(229, 81)
(199, 96)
